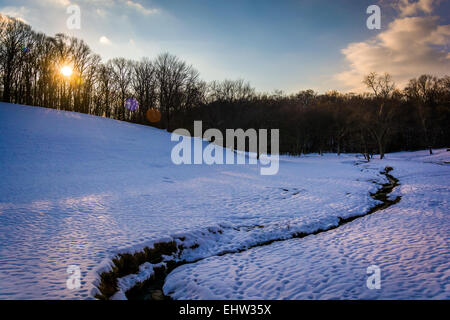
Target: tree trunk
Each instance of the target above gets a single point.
(7, 88)
(339, 147)
(381, 148)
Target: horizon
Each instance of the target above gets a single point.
(309, 45)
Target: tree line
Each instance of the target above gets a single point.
(384, 119)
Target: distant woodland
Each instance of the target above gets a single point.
(385, 119)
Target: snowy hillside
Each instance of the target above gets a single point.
(77, 189)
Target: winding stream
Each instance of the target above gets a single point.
(151, 289)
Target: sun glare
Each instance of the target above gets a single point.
(66, 71)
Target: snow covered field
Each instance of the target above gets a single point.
(409, 242)
(77, 189)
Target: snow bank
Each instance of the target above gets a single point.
(78, 189)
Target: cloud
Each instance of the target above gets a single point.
(56, 3)
(101, 13)
(28, 13)
(408, 8)
(139, 7)
(63, 3)
(104, 40)
(409, 47)
(15, 12)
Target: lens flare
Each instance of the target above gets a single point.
(66, 71)
(131, 104)
(153, 115)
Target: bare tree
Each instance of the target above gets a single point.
(231, 90)
(121, 73)
(423, 92)
(30, 65)
(105, 89)
(171, 75)
(144, 85)
(383, 88)
(14, 37)
(84, 64)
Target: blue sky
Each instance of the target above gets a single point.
(288, 45)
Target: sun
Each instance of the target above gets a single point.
(66, 71)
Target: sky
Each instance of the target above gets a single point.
(288, 45)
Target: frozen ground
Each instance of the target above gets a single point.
(77, 189)
(409, 242)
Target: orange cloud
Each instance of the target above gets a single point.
(409, 47)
